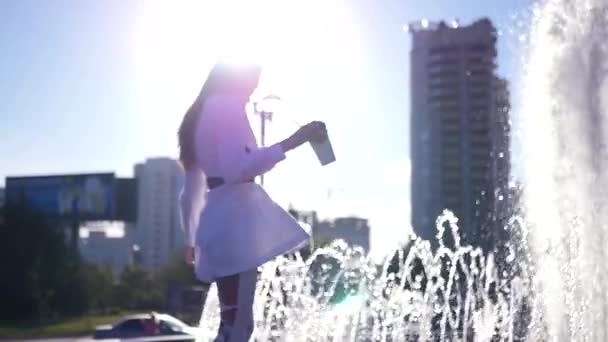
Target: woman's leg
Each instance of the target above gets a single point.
(236, 294)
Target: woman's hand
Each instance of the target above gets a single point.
(314, 131)
(189, 255)
(318, 131)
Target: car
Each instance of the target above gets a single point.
(134, 326)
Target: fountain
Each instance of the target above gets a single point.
(565, 109)
(339, 294)
(549, 285)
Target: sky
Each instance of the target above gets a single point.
(90, 86)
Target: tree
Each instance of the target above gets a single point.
(138, 290)
(98, 282)
(178, 273)
(40, 273)
(322, 241)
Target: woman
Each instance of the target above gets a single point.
(240, 226)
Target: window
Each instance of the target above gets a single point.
(478, 47)
(167, 327)
(424, 137)
(444, 49)
(131, 326)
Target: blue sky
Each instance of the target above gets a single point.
(101, 85)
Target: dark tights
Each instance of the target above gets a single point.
(236, 294)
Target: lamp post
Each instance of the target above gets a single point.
(265, 109)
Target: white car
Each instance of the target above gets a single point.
(134, 326)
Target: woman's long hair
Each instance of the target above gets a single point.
(223, 78)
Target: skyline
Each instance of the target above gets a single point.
(103, 81)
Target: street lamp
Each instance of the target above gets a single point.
(265, 109)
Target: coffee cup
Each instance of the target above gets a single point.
(324, 151)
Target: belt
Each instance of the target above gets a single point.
(215, 182)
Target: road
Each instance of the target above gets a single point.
(66, 339)
(90, 339)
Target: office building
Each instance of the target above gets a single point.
(459, 136)
(98, 248)
(353, 230)
(2, 200)
(158, 235)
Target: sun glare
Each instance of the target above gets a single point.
(296, 42)
(311, 52)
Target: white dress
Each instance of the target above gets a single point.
(239, 227)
